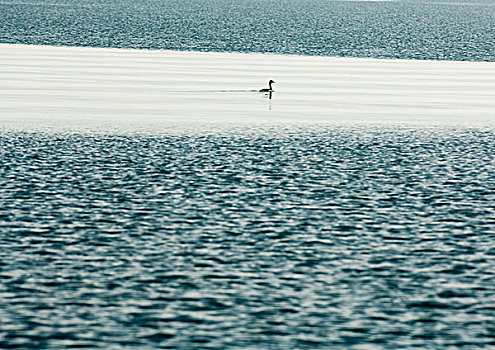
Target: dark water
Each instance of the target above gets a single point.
(417, 29)
(269, 238)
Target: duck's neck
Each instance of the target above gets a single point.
(270, 85)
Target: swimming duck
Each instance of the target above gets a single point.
(270, 89)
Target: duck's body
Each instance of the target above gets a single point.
(270, 89)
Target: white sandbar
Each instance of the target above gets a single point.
(46, 85)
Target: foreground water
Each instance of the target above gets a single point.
(413, 29)
(269, 237)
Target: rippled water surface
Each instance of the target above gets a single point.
(261, 238)
(418, 29)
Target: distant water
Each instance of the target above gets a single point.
(268, 238)
(417, 29)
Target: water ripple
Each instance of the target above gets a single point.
(307, 238)
(419, 29)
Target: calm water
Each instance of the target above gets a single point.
(260, 238)
(418, 29)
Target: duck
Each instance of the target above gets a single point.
(270, 89)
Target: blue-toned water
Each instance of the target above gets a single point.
(259, 236)
(417, 29)
(267, 237)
